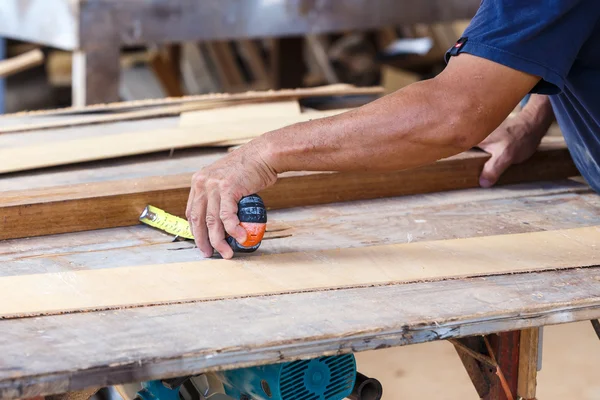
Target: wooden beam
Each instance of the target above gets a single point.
(528, 362)
(118, 203)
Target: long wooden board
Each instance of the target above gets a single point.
(110, 204)
(126, 144)
(55, 293)
(186, 110)
(251, 96)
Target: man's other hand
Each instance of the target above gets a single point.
(215, 192)
(516, 139)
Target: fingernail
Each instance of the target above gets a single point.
(485, 183)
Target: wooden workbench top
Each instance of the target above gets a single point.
(62, 353)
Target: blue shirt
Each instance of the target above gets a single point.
(559, 41)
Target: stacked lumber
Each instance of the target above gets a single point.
(224, 121)
(113, 288)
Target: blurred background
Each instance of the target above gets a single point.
(389, 56)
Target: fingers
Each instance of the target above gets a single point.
(216, 231)
(493, 169)
(196, 216)
(229, 217)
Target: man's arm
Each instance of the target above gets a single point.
(414, 126)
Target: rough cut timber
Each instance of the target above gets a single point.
(118, 203)
(123, 287)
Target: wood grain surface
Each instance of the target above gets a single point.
(251, 96)
(56, 293)
(80, 207)
(164, 341)
(126, 144)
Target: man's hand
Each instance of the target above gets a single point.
(516, 139)
(217, 189)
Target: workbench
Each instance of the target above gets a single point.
(70, 352)
(96, 30)
(74, 351)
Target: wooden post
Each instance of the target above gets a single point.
(501, 366)
(528, 363)
(96, 76)
(96, 62)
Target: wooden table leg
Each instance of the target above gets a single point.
(528, 363)
(501, 366)
(96, 75)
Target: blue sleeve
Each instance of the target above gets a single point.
(539, 37)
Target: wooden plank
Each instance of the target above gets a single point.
(88, 351)
(21, 62)
(218, 108)
(270, 95)
(505, 210)
(528, 363)
(239, 113)
(110, 118)
(119, 203)
(56, 293)
(125, 144)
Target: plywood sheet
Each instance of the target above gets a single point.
(205, 280)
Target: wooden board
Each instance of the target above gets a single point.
(125, 144)
(56, 293)
(87, 350)
(219, 108)
(252, 96)
(118, 203)
(240, 113)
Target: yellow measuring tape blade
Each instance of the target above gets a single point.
(164, 221)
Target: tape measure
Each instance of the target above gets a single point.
(166, 222)
(251, 213)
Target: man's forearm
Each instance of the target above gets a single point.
(405, 129)
(417, 125)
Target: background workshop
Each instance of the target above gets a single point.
(109, 108)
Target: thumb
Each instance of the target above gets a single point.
(493, 168)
